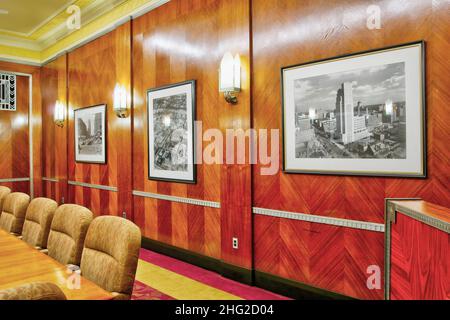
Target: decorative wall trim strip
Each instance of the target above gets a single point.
(50, 179)
(431, 221)
(93, 186)
(355, 224)
(14, 180)
(195, 202)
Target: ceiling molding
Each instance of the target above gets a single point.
(98, 18)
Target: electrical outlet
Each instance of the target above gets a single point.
(235, 243)
(62, 200)
(124, 215)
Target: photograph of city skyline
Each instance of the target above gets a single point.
(359, 114)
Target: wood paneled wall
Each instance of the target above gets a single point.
(420, 261)
(54, 138)
(93, 71)
(288, 32)
(15, 131)
(185, 40)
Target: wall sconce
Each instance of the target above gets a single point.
(230, 77)
(59, 115)
(120, 101)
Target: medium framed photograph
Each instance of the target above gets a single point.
(171, 139)
(360, 114)
(90, 134)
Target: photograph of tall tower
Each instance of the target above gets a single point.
(353, 114)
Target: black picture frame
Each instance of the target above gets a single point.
(105, 125)
(423, 121)
(193, 90)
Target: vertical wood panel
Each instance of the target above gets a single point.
(93, 71)
(185, 40)
(420, 261)
(291, 32)
(14, 138)
(54, 138)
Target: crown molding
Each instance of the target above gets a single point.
(98, 19)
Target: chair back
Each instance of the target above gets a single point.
(33, 291)
(4, 191)
(111, 253)
(13, 212)
(67, 233)
(37, 222)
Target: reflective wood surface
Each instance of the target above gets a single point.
(21, 264)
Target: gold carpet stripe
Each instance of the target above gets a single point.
(178, 286)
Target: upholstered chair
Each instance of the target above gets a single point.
(4, 191)
(110, 255)
(37, 222)
(33, 291)
(67, 233)
(13, 212)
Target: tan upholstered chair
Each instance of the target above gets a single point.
(33, 291)
(37, 222)
(4, 191)
(67, 233)
(13, 212)
(111, 253)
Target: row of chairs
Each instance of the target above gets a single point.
(106, 248)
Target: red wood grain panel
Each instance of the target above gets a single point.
(324, 256)
(93, 71)
(54, 138)
(291, 32)
(420, 261)
(14, 139)
(185, 40)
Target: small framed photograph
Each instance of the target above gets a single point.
(90, 134)
(171, 139)
(360, 114)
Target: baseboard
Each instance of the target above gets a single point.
(227, 270)
(294, 289)
(236, 273)
(285, 287)
(196, 259)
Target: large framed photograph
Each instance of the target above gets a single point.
(171, 139)
(90, 134)
(360, 114)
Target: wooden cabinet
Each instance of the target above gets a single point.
(417, 251)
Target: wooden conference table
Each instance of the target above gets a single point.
(21, 264)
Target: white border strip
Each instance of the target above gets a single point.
(50, 179)
(355, 224)
(195, 202)
(14, 180)
(93, 186)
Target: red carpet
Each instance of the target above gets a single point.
(142, 291)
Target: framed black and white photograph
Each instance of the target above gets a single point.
(171, 116)
(360, 114)
(90, 134)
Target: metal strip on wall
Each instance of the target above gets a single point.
(93, 186)
(14, 180)
(355, 224)
(196, 202)
(50, 179)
